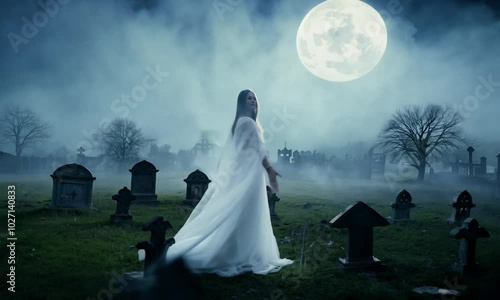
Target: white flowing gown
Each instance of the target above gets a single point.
(229, 232)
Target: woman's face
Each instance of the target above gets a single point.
(251, 103)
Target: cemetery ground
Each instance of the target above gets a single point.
(75, 254)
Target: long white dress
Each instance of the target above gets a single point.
(229, 232)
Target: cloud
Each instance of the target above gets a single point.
(91, 53)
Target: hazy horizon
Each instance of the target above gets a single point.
(75, 69)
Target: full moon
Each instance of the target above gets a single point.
(341, 40)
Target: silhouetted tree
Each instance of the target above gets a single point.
(23, 128)
(416, 135)
(121, 141)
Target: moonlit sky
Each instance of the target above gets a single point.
(92, 52)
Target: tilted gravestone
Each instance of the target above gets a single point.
(123, 199)
(197, 184)
(72, 187)
(143, 183)
(401, 207)
(155, 249)
(272, 199)
(461, 208)
(468, 235)
(359, 219)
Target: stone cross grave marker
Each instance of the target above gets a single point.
(157, 246)
(468, 235)
(123, 200)
(360, 219)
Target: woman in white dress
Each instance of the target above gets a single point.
(229, 232)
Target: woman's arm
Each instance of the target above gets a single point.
(265, 163)
(272, 173)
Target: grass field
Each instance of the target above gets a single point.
(74, 255)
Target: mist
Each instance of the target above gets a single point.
(79, 70)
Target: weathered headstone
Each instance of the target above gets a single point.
(197, 184)
(72, 187)
(468, 235)
(123, 199)
(360, 219)
(461, 208)
(272, 199)
(155, 249)
(143, 183)
(401, 207)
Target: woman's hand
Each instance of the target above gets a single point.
(273, 180)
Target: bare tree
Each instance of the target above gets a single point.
(417, 135)
(23, 128)
(121, 141)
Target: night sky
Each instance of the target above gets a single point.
(75, 68)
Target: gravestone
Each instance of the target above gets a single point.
(360, 219)
(72, 187)
(155, 249)
(123, 199)
(468, 235)
(272, 199)
(432, 174)
(80, 157)
(401, 207)
(197, 184)
(461, 208)
(143, 184)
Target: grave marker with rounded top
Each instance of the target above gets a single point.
(401, 207)
(468, 235)
(360, 219)
(461, 208)
(197, 184)
(72, 187)
(143, 183)
(123, 199)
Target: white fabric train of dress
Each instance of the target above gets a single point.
(229, 232)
